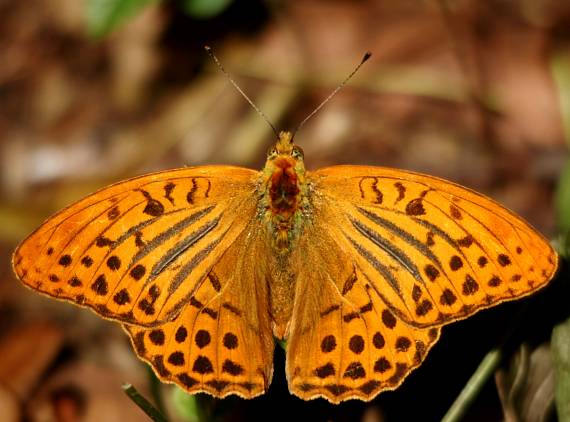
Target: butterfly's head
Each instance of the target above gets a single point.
(284, 144)
(285, 149)
(284, 155)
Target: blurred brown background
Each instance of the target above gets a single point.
(476, 92)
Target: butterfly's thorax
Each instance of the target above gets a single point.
(284, 188)
(283, 194)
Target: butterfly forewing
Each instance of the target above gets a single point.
(434, 251)
(221, 342)
(127, 250)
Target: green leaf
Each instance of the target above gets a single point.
(560, 345)
(104, 16)
(560, 68)
(186, 405)
(204, 9)
(563, 207)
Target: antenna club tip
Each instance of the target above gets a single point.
(367, 55)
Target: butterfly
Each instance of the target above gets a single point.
(357, 267)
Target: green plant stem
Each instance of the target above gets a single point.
(143, 403)
(471, 390)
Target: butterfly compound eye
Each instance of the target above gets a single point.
(297, 153)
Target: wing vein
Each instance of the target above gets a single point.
(401, 233)
(181, 247)
(162, 237)
(389, 248)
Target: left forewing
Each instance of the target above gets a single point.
(137, 251)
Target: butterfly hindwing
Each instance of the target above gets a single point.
(435, 251)
(221, 342)
(344, 340)
(127, 250)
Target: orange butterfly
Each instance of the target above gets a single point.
(357, 267)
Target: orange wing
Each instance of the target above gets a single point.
(137, 251)
(432, 250)
(345, 342)
(221, 342)
(387, 257)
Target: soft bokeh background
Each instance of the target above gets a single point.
(476, 92)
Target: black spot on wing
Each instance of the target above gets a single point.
(168, 188)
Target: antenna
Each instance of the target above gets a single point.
(366, 56)
(236, 86)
